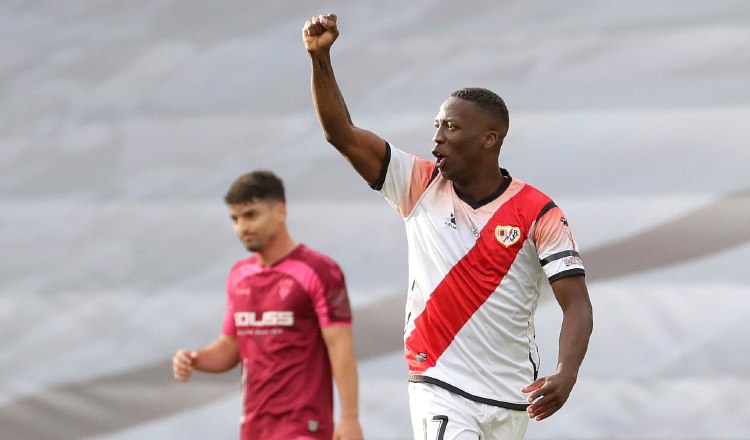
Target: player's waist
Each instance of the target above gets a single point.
(419, 378)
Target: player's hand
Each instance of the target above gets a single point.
(182, 364)
(548, 395)
(320, 32)
(348, 429)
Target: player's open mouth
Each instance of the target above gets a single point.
(439, 159)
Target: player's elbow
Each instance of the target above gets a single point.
(331, 138)
(339, 141)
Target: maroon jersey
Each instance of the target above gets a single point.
(276, 313)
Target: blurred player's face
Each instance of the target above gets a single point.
(256, 223)
(460, 133)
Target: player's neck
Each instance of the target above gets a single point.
(276, 249)
(480, 186)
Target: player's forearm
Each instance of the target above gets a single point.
(329, 103)
(348, 395)
(344, 368)
(345, 374)
(219, 356)
(575, 332)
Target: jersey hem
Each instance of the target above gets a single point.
(567, 273)
(416, 378)
(378, 185)
(337, 324)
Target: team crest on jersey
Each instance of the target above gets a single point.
(507, 235)
(285, 288)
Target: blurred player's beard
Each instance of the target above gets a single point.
(253, 247)
(260, 238)
(253, 244)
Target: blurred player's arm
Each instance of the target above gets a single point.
(363, 149)
(338, 340)
(218, 356)
(550, 393)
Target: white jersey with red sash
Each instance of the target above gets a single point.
(474, 278)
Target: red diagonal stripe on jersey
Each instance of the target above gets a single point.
(470, 282)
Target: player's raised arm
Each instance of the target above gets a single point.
(364, 150)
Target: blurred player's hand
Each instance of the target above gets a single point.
(182, 364)
(348, 429)
(320, 32)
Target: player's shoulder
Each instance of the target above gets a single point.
(245, 264)
(324, 268)
(529, 190)
(313, 256)
(534, 199)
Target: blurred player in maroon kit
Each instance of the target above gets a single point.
(287, 321)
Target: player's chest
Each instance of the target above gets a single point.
(451, 221)
(270, 291)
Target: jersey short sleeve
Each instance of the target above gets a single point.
(329, 295)
(228, 328)
(556, 246)
(407, 176)
(236, 287)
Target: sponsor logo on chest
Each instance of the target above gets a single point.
(269, 318)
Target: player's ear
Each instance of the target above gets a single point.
(491, 139)
(279, 211)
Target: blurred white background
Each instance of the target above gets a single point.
(123, 123)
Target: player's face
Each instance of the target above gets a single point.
(256, 223)
(460, 130)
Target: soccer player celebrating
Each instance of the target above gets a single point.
(479, 243)
(287, 321)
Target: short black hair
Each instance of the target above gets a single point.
(488, 100)
(256, 185)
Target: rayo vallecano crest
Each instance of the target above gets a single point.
(507, 235)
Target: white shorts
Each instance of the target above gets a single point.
(438, 414)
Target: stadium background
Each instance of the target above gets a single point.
(123, 123)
